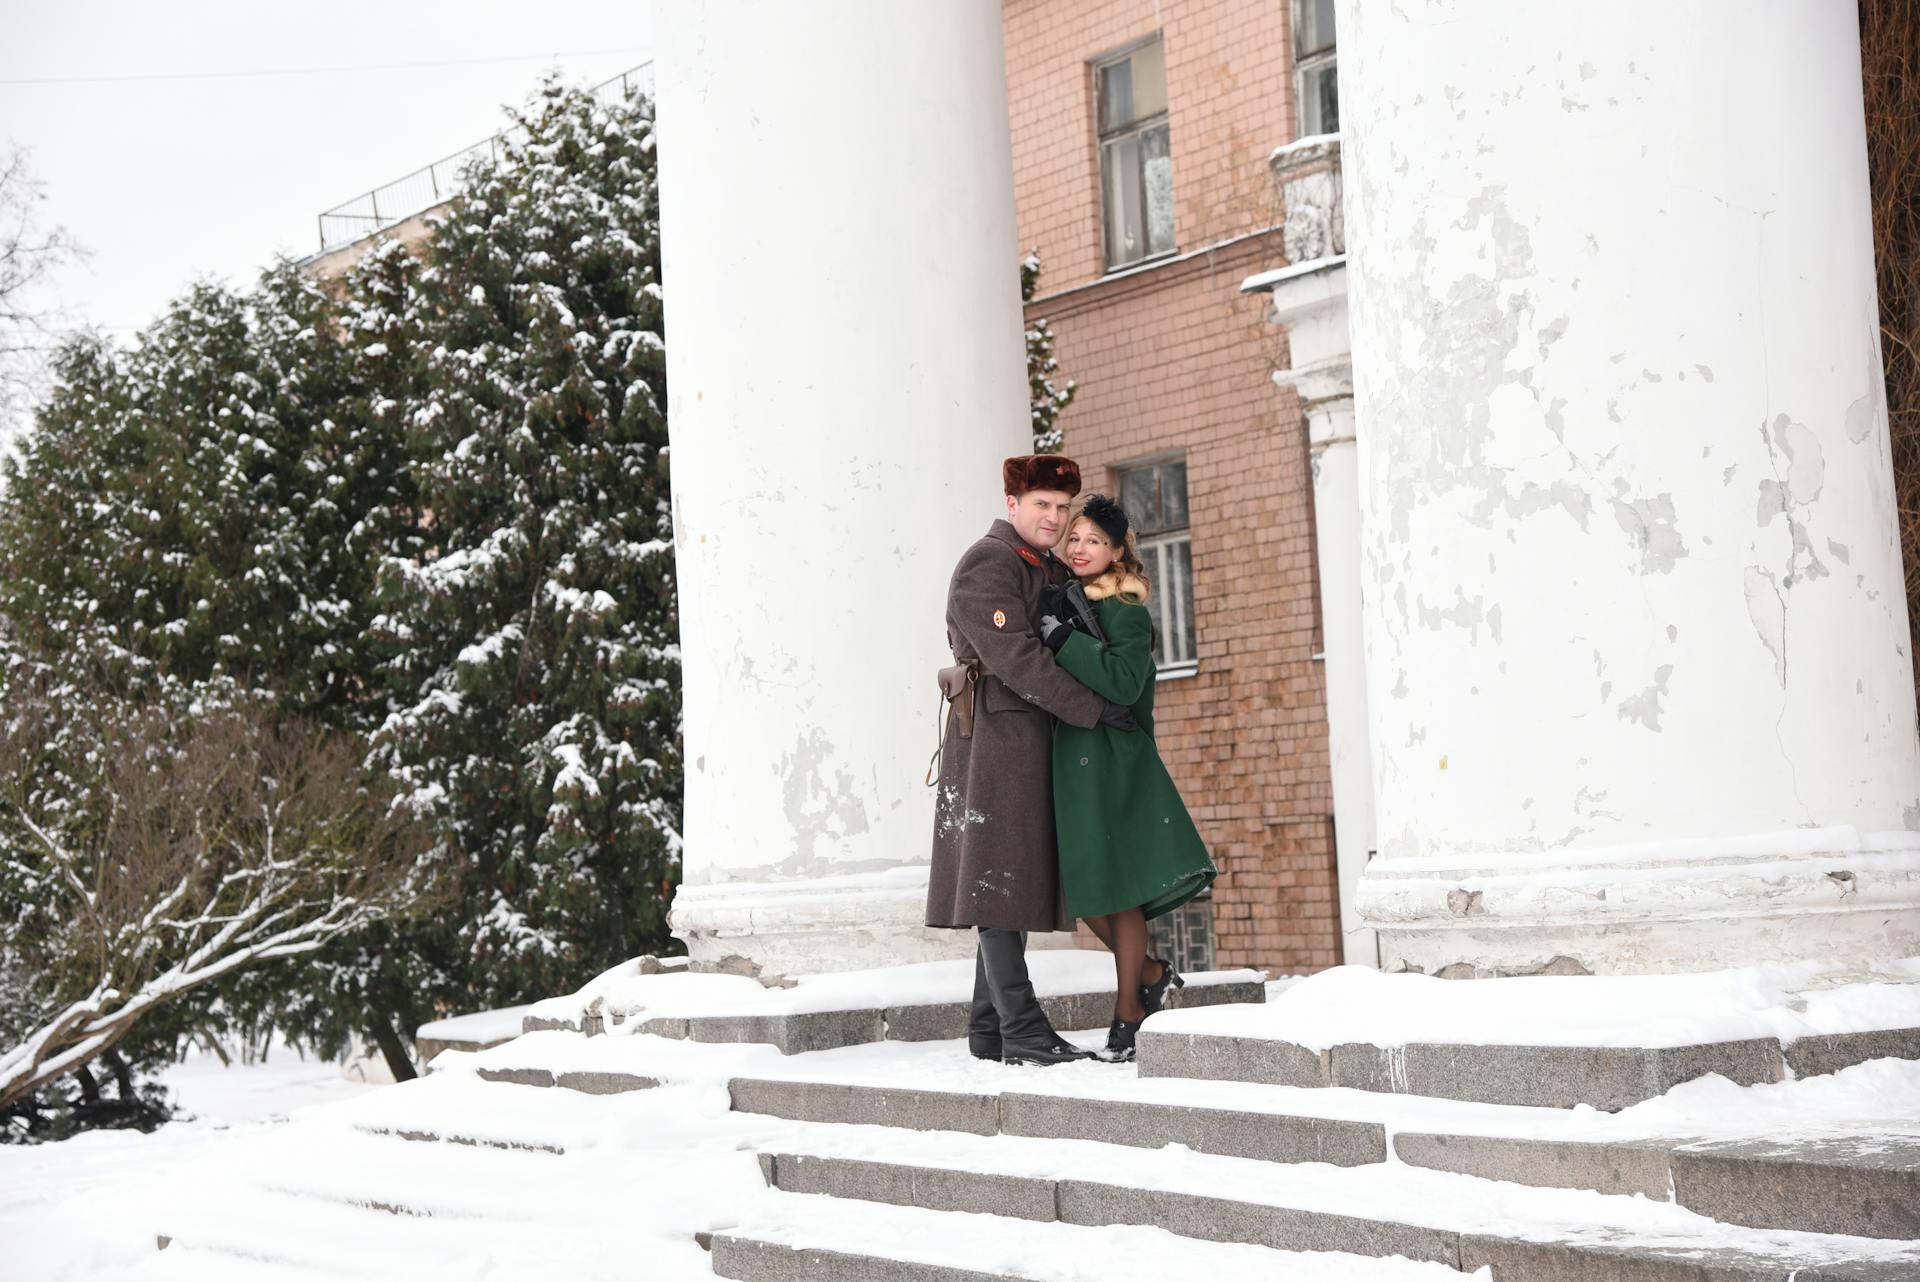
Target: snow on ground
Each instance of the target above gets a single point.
(281, 1159)
(1784, 1000)
(73, 1209)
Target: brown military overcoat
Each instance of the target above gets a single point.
(994, 861)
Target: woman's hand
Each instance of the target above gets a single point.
(1054, 632)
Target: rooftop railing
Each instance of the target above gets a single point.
(393, 203)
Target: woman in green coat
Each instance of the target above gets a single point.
(1128, 849)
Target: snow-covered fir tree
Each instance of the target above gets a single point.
(532, 656)
(427, 505)
(1047, 398)
(212, 502)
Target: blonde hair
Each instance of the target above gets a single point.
(1126, 578)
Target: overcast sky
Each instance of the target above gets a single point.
(200, 137)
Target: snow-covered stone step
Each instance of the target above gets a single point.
(938, 1086)
(1866, 1183)
(1604, 1077)
(1854, 1181)
(927, 1001)
(1556, 1041)
(518, 1183)
(286, 1230)
(816, 1239)
(1523, 1234)
(1274, 1137)
(185, 1262)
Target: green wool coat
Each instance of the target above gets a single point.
(1125, 837)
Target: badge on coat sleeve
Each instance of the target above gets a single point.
(999, 618)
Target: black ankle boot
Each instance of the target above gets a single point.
(1052, 1049)
(1120, 1040)
(1154, 996)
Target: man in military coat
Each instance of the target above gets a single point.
(994, 862)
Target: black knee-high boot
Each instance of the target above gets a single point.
(983, 1022)
(1026, 1036)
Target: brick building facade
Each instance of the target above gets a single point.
(1173, 365)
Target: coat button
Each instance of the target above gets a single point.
(1083, 761)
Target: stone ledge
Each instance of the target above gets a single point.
(799, 1032)
(1865, 1185)
(869, 1105)
(1267, 1137)
(1831, 1052)
(1621, 1168)
(976, 1192)
(746, 1259)
(1820, 1188)
(590, 1082)
(1604, 1077)
(1513, 1257)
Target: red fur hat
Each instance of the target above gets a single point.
(1041, 472)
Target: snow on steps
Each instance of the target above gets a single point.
(602, 1142)
(1859, 1182)
(1554, 1041)
(1525, 1235)
(1695, 1142)
(1606, 1077)
(806, 1238)
(927, 1001)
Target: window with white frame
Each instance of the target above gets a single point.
(1136, 163)
(1155, 497)
(1314, 80)
(1185, 935)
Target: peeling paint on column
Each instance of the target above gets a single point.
(1650, 524)
(1552, 334)
(1645, 706)
(1768, 610)
(822, 805)
(1861, 416)
(1485, 426)
(1788, 493)
(1461, 614)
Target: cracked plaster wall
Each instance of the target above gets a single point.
(1629, 554)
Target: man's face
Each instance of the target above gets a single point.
(1039, 516)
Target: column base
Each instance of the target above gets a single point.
(1830, 894)
(855, 922)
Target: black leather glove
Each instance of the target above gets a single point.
(1054, 632)
(1119, 716)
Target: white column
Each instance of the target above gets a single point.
(1635, 625)
(847, 370)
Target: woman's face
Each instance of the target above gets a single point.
(1088, 551)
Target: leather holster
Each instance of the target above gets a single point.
(957, 685)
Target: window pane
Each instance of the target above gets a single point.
(1140, 496)
(1320, 100)
(1157, 178)
(1125, 233)
(1173, 494)
(1179, 561)
(1116, 95)
(1150, 80)
(1185, 936)
(1314, 28)
(1155, 562)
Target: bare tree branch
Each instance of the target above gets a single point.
(166, 853)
